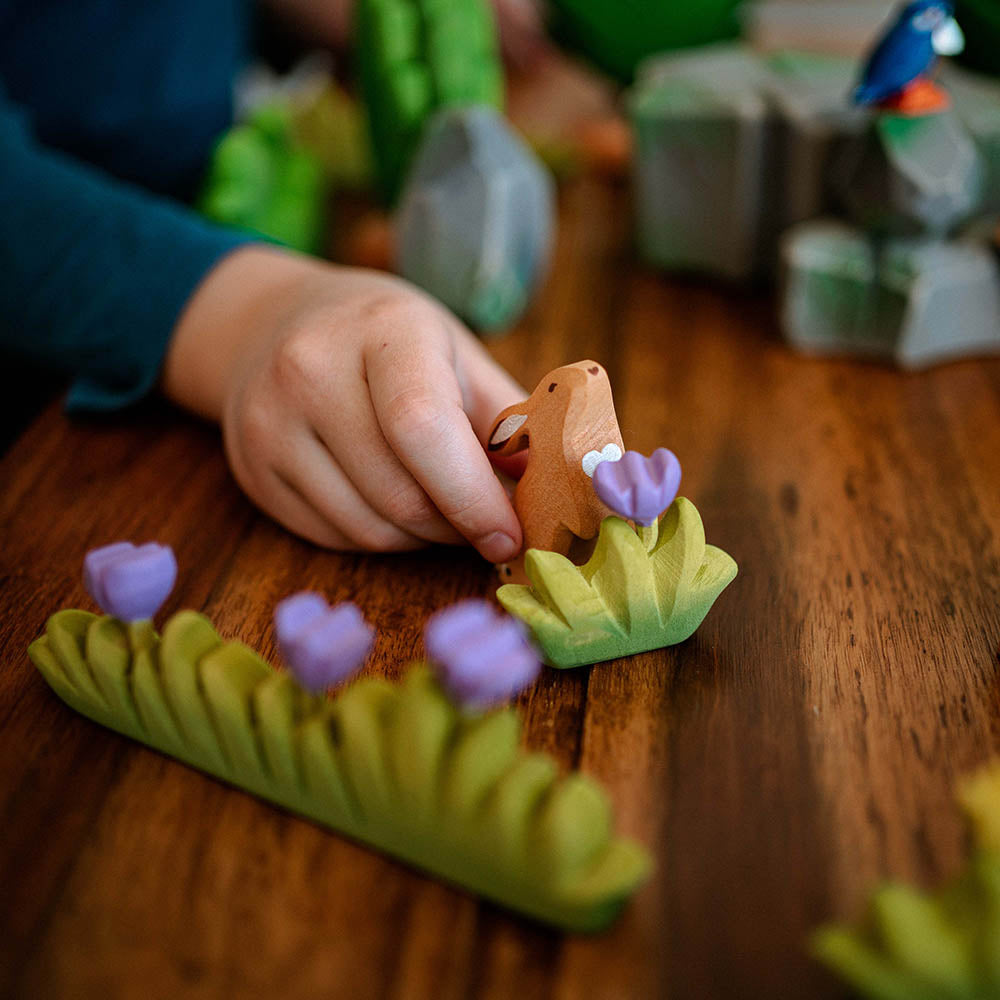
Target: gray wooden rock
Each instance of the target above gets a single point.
(732, 149)
(977, 104)
(701, 129)
(476, 219)
(907, 175)
(916, 301)
(814, 123)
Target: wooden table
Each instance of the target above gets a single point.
(803, 745)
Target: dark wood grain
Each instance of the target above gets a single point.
(804, 744)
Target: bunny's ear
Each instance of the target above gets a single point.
(509, 435)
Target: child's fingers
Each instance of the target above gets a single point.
(309, 470)
(283, 501)
(288, 507)
(290, 476)
(418, 404)
(522, 32)
(486, 387)
(352, 435)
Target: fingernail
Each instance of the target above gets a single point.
(497, 547)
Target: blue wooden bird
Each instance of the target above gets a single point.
(907, 51)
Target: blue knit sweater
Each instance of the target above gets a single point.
(108, 112)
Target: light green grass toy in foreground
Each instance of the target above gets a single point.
(395, 766)
(641, 589)
(945, 946)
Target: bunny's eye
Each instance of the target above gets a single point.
(552, 387)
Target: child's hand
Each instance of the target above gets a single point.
(521, 26)
(350, 403)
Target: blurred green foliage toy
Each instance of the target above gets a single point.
(415, 57)
(331, 124)
(264, 179)
(642, 589)
(618, 34)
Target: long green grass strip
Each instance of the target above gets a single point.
(395, 766)
(639, 590)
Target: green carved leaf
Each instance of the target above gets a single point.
(67, 635)
(418, 742)
(621, 571)
(573, 828)
(319, 745)
(484, 751)
(639, 590)
(395, 766)
(159, 723)
(562, 589)
(678, 556)
(229, 673)
(278, 706)
(360, 716)
(506, 815)
(106, 649)
(61, 645)
(188, 637)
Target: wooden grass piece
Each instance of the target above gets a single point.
(940, 946)
(639, 590)
(395, 766)
(912, 946)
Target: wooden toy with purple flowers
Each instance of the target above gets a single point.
(429, 770)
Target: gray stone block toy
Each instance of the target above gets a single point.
(977, 104)
(813, 125)
(916, 301)
(736, 153)
(911, 175)
(701, 134)
(476, 219)
(731, 149)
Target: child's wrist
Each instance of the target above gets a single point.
(243, 295)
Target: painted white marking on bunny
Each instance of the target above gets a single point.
(609, 453)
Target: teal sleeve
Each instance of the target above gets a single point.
(93, 272)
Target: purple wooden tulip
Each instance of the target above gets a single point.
(640, 489)
(321, 645)
(482, 656)
(130, 582)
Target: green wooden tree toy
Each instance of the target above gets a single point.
(415, 57)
